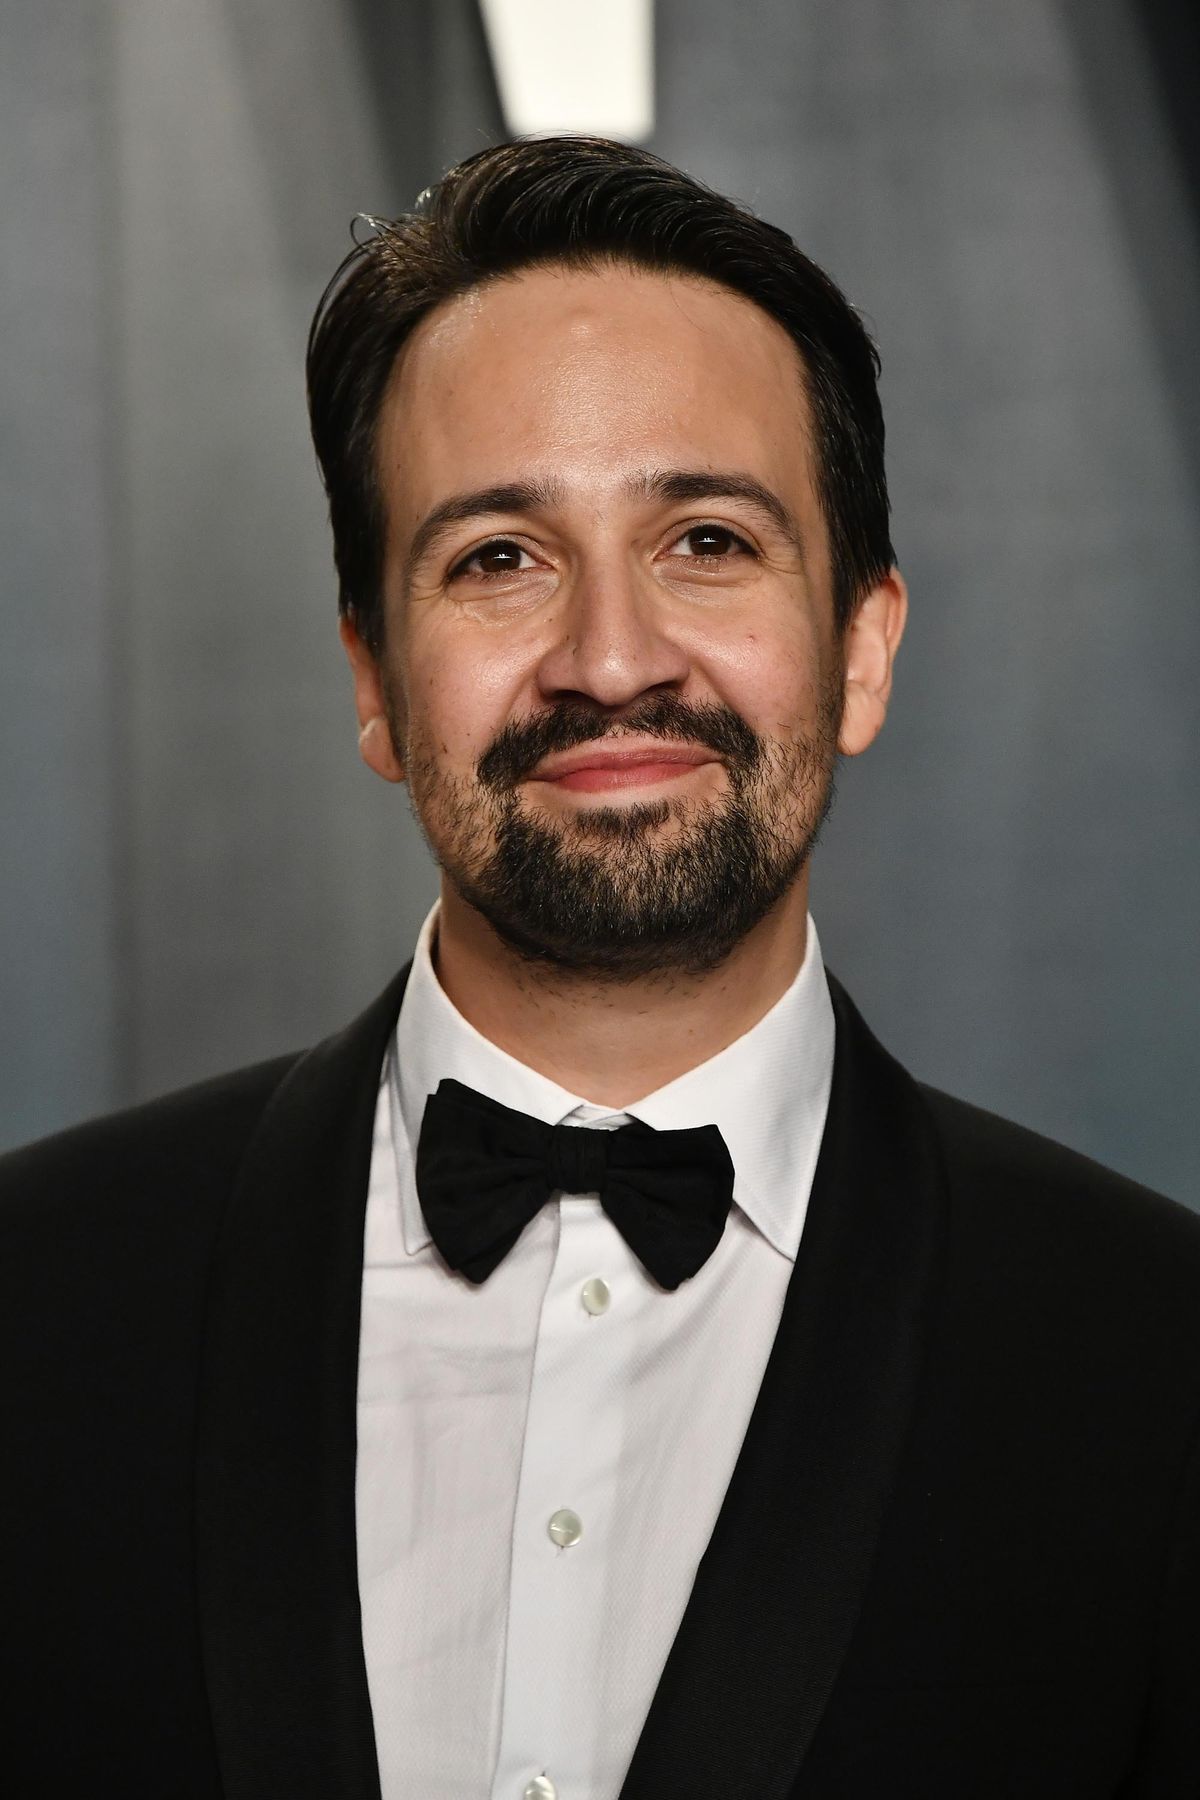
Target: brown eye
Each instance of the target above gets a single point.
(715, 541)
(501, 557)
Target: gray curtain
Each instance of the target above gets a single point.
(196, 871)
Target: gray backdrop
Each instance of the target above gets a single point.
(197, 871)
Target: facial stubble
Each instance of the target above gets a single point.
(647, 889)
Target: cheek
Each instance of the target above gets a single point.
(772, 678)
(459, 696)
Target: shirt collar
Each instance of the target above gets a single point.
(767, 1092)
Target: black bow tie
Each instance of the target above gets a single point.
(484, 1171)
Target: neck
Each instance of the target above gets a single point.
(614, 1042)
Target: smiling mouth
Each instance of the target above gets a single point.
(607, 768)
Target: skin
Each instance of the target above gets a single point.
(586, 385)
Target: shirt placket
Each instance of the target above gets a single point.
(565, 1515)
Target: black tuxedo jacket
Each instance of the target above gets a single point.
(959, 1556)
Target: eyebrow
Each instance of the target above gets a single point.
(675, 486)
(510, 497)
(682, 485)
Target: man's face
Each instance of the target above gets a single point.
(610, 672)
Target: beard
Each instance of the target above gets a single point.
(624, 893)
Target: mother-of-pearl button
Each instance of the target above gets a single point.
(565, 1527)
(541, 1788)
(595, 1295)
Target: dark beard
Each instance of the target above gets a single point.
(598, 896)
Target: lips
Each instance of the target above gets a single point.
(603, 767)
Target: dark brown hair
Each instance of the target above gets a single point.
(580, 202)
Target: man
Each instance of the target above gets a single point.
(600, 1369)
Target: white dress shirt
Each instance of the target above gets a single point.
(541, 1459)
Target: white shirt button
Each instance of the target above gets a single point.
(541, 1788)
(595, 1295)
(566, 1528)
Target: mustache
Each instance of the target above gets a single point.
(517, 749)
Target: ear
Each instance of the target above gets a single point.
(872, 639)
(374, 734)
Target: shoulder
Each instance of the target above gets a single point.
(154, 1169)
(1007, 1184)
(183, 1145)
(1046, 1227)
(107, 1233)
(1005, 1160)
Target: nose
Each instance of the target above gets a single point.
(614, 643)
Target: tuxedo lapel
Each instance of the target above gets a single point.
(779, 1588)
(276, 1554)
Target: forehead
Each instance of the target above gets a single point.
(587, 376)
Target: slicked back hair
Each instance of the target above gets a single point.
(580, 202)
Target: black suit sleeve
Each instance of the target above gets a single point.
(1168, 1762)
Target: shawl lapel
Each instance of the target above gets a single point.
(276, 1554)
(779, 1588)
